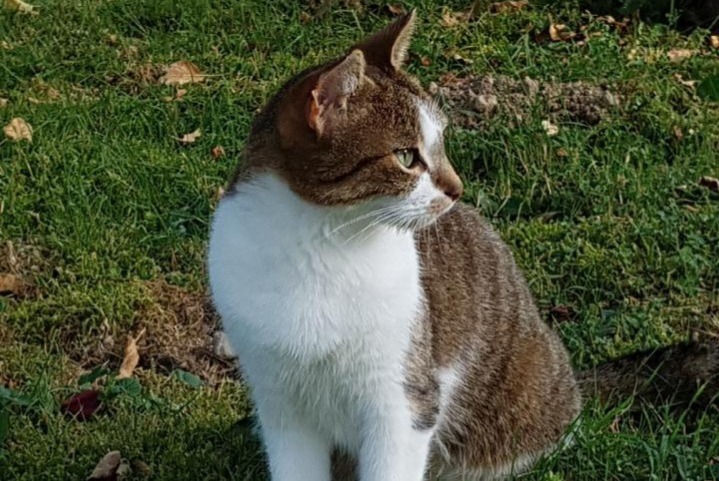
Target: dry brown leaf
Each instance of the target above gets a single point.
(558, 33)
(506, 7)
(217, 152)
(19, 6)
(106, 469)
(191, 137)
(680, 54)
(177, 97)
(550, 128)
(425, 61)
(686, 83)
(11, 284)
(678, 132)
(182, 72)
(131, 358)
(452, 19)
(710, 183)
(396, 9)
(18, 130)
(3, 102)
(305, 17)
(714, 41)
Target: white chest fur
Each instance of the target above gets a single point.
(309, 310)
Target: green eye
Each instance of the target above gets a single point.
(405, 157)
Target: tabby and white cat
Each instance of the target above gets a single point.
(384, 328)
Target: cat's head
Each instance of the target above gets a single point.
(361, 131)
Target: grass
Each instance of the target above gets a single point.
(105, 203)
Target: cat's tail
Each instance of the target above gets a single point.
(683, 374)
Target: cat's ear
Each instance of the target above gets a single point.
(328, 102)
(387, 49)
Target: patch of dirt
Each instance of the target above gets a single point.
(180, 328)
(472, 101)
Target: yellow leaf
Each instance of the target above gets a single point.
(183, 72)
(679, 54)
(18, 6)
(191, 137)
(18, 130)
(131, 358)
(714, 41)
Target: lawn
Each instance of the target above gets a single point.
(591, 169)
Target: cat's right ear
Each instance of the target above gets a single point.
(328, 99)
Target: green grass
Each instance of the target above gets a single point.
(108, 201)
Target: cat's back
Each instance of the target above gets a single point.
(486, 331)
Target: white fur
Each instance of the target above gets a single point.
(431, 128)
(320, 310)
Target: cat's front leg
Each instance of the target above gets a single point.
(295, 450)
(393, 449)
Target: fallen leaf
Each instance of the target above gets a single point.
(714, 41)
(11, 284)
(562, 152)
(3, 102)
(550, 128)
(131, 358)
(686, 83)
(452, 19)
(558, 33)
(680, 54)
(710, 183)
(177, 97)
(182, 72)
(217, 152)
(191, 137)
(506, 7)
(106, 469)
(678, 132)
(82, 406)
(19, 6)
(614, 426)
(305, 17)
(425, 61)
(396, 9)
(18, 130)
(5, 46)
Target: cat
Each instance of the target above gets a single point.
(383, 327)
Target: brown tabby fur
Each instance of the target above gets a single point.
(330, 133)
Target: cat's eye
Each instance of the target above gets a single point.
(406, 157)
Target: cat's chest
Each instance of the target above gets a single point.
(281, 283)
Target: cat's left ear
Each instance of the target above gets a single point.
(388, 48)
(328, 102)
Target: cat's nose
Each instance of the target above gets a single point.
(449, 182)
(454, 191)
